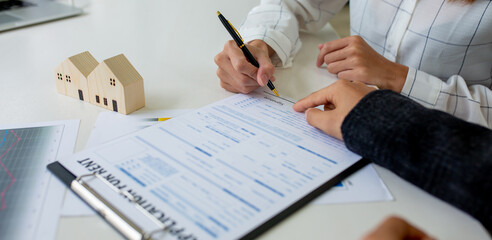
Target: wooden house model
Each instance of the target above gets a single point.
(71, 75)
(113, 84)
(116, 85)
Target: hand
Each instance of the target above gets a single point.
(237, 74)
(395, 228)
(338, 100)
(353, 59)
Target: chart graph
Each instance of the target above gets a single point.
(24, 153)
(9, 174)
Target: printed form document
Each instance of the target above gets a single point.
(219, 172)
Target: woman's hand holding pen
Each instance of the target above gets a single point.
(351, 58)
(236, 74)
(338, 100)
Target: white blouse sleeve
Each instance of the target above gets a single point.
(472, 103)
(278, 23)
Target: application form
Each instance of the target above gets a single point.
(109, 126)
(221, 171)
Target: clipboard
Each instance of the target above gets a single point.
(211, 171)
(105, 209)
(130, 230)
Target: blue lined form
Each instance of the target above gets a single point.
(201, 175)
(222, 170)
(184, 141)
(256, 125)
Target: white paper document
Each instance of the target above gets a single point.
(30, 197)
(218, 172)
(112, 125)
(363, 186)
(109, 126)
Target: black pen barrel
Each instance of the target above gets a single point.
(250, 57)
(231, 31)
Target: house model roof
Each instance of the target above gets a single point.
(123, 69)
(84, 62)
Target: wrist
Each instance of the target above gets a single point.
(262, 45)
(399, 77)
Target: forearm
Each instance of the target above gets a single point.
(278, 23)
(471, 103)
(443, 155)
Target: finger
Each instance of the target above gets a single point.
(336, 67)
(321, 97)
(223, 61)
(336, 56)
(330, 47)
(400, 227)
(325, 121)
(235, 78)
(266, 70)
(233, 89)
(239, 61)
(329, 107)
(239, 83)
(228, 87)
(225, 78)
(396, 228)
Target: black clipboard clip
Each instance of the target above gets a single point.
(115, 217)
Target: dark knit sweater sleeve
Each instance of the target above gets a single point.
(447, 157)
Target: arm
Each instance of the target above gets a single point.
(445, 156)
(351, 58)
(271, 33)
(471, 103)
(278, 23)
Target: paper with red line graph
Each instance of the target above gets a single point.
(30, 197)
(9, 174)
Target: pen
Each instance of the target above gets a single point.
(239, 41)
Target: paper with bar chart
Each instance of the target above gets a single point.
(221, 171)
(30, 197)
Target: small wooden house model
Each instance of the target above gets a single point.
(116, 85)
(113, 84)
(71, 75)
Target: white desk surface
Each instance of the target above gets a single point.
(172, 44)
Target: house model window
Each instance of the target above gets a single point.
(125, 90)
